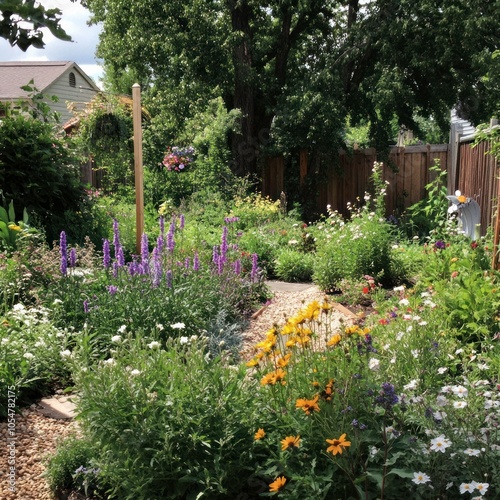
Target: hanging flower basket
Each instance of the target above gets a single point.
(178, 159)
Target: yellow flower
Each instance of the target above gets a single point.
(351, 329)
(334, 340)
(279, 376)
(259, 434)
(268, 379)
(312, 310)
(284, 360)
(253, 362)
(328, 392)
(14, 227)
(290, 442)
(308, 405)
(337, 445)
(278, 484)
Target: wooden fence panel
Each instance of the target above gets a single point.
(408, 172)
(477, 178)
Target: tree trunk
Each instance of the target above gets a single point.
(244, 146)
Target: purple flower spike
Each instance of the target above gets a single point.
(237, 267)
(72, 258)
(112, 289)
(157, 269)
(169, 278)
(106, 259)
(224, 246)
(196, 262)
(63, 250)
(121, 257)
(145, 253)
(86, 306)
(116, 238)
(182, 222)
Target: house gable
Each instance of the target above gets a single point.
(63, 79)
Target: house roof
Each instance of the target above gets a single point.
(14, 75)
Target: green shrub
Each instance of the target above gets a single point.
(33, 353)
(170, 424)
(38, 171)
(292, 265)
(72, 455)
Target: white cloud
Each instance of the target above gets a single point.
(82, 50)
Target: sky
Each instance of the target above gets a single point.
(81, 51)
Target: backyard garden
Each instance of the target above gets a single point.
(403, 401)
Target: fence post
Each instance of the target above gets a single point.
(138, 167)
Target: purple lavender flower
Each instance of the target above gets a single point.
(116, 238)
(230, 220)
(215, 255)
(182, 221)
(196, 262)
(440, 245)
(63, 250)
(121, 257)
(106, 259)
(169, 278)
(157, 269)
(145, 254)
(72, 258)
(187, 262)
(112, 289)
(255, 269)
(86, 306)
(237, 266)
(159, 243)
(170, 238)
(115, 269)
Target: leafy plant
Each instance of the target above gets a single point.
(292, 265)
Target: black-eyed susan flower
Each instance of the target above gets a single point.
(290, 442)
(278, 484)
(260, 434)
(284, 360)
(337, 445)
(308, 405)
(268, 379)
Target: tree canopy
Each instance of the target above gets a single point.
(21, 23)
(298, 69)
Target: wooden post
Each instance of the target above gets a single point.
(138, 167)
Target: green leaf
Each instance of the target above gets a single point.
(402, 473)
(3, 215)
(12, 213)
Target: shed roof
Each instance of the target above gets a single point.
(16, 74)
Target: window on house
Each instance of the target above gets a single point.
(72, 80)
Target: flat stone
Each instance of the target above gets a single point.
(282, 286)
(60, 408)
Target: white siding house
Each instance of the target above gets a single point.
(63, 79)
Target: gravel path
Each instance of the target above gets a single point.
(37, 434)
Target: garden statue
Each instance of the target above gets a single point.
(468, 213)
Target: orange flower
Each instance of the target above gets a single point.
(462, 198)
(337, 445)
(284, 360)
(268, 379)
(328, 392)
(334, 340)
(259, 434)
(278, 484)
(290, 442)
(253, 362)
(308, 405)
(279, 376)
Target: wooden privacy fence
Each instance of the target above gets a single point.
(407, 171)
(476, 177)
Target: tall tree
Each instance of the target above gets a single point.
(298, 68)
(21, 23)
